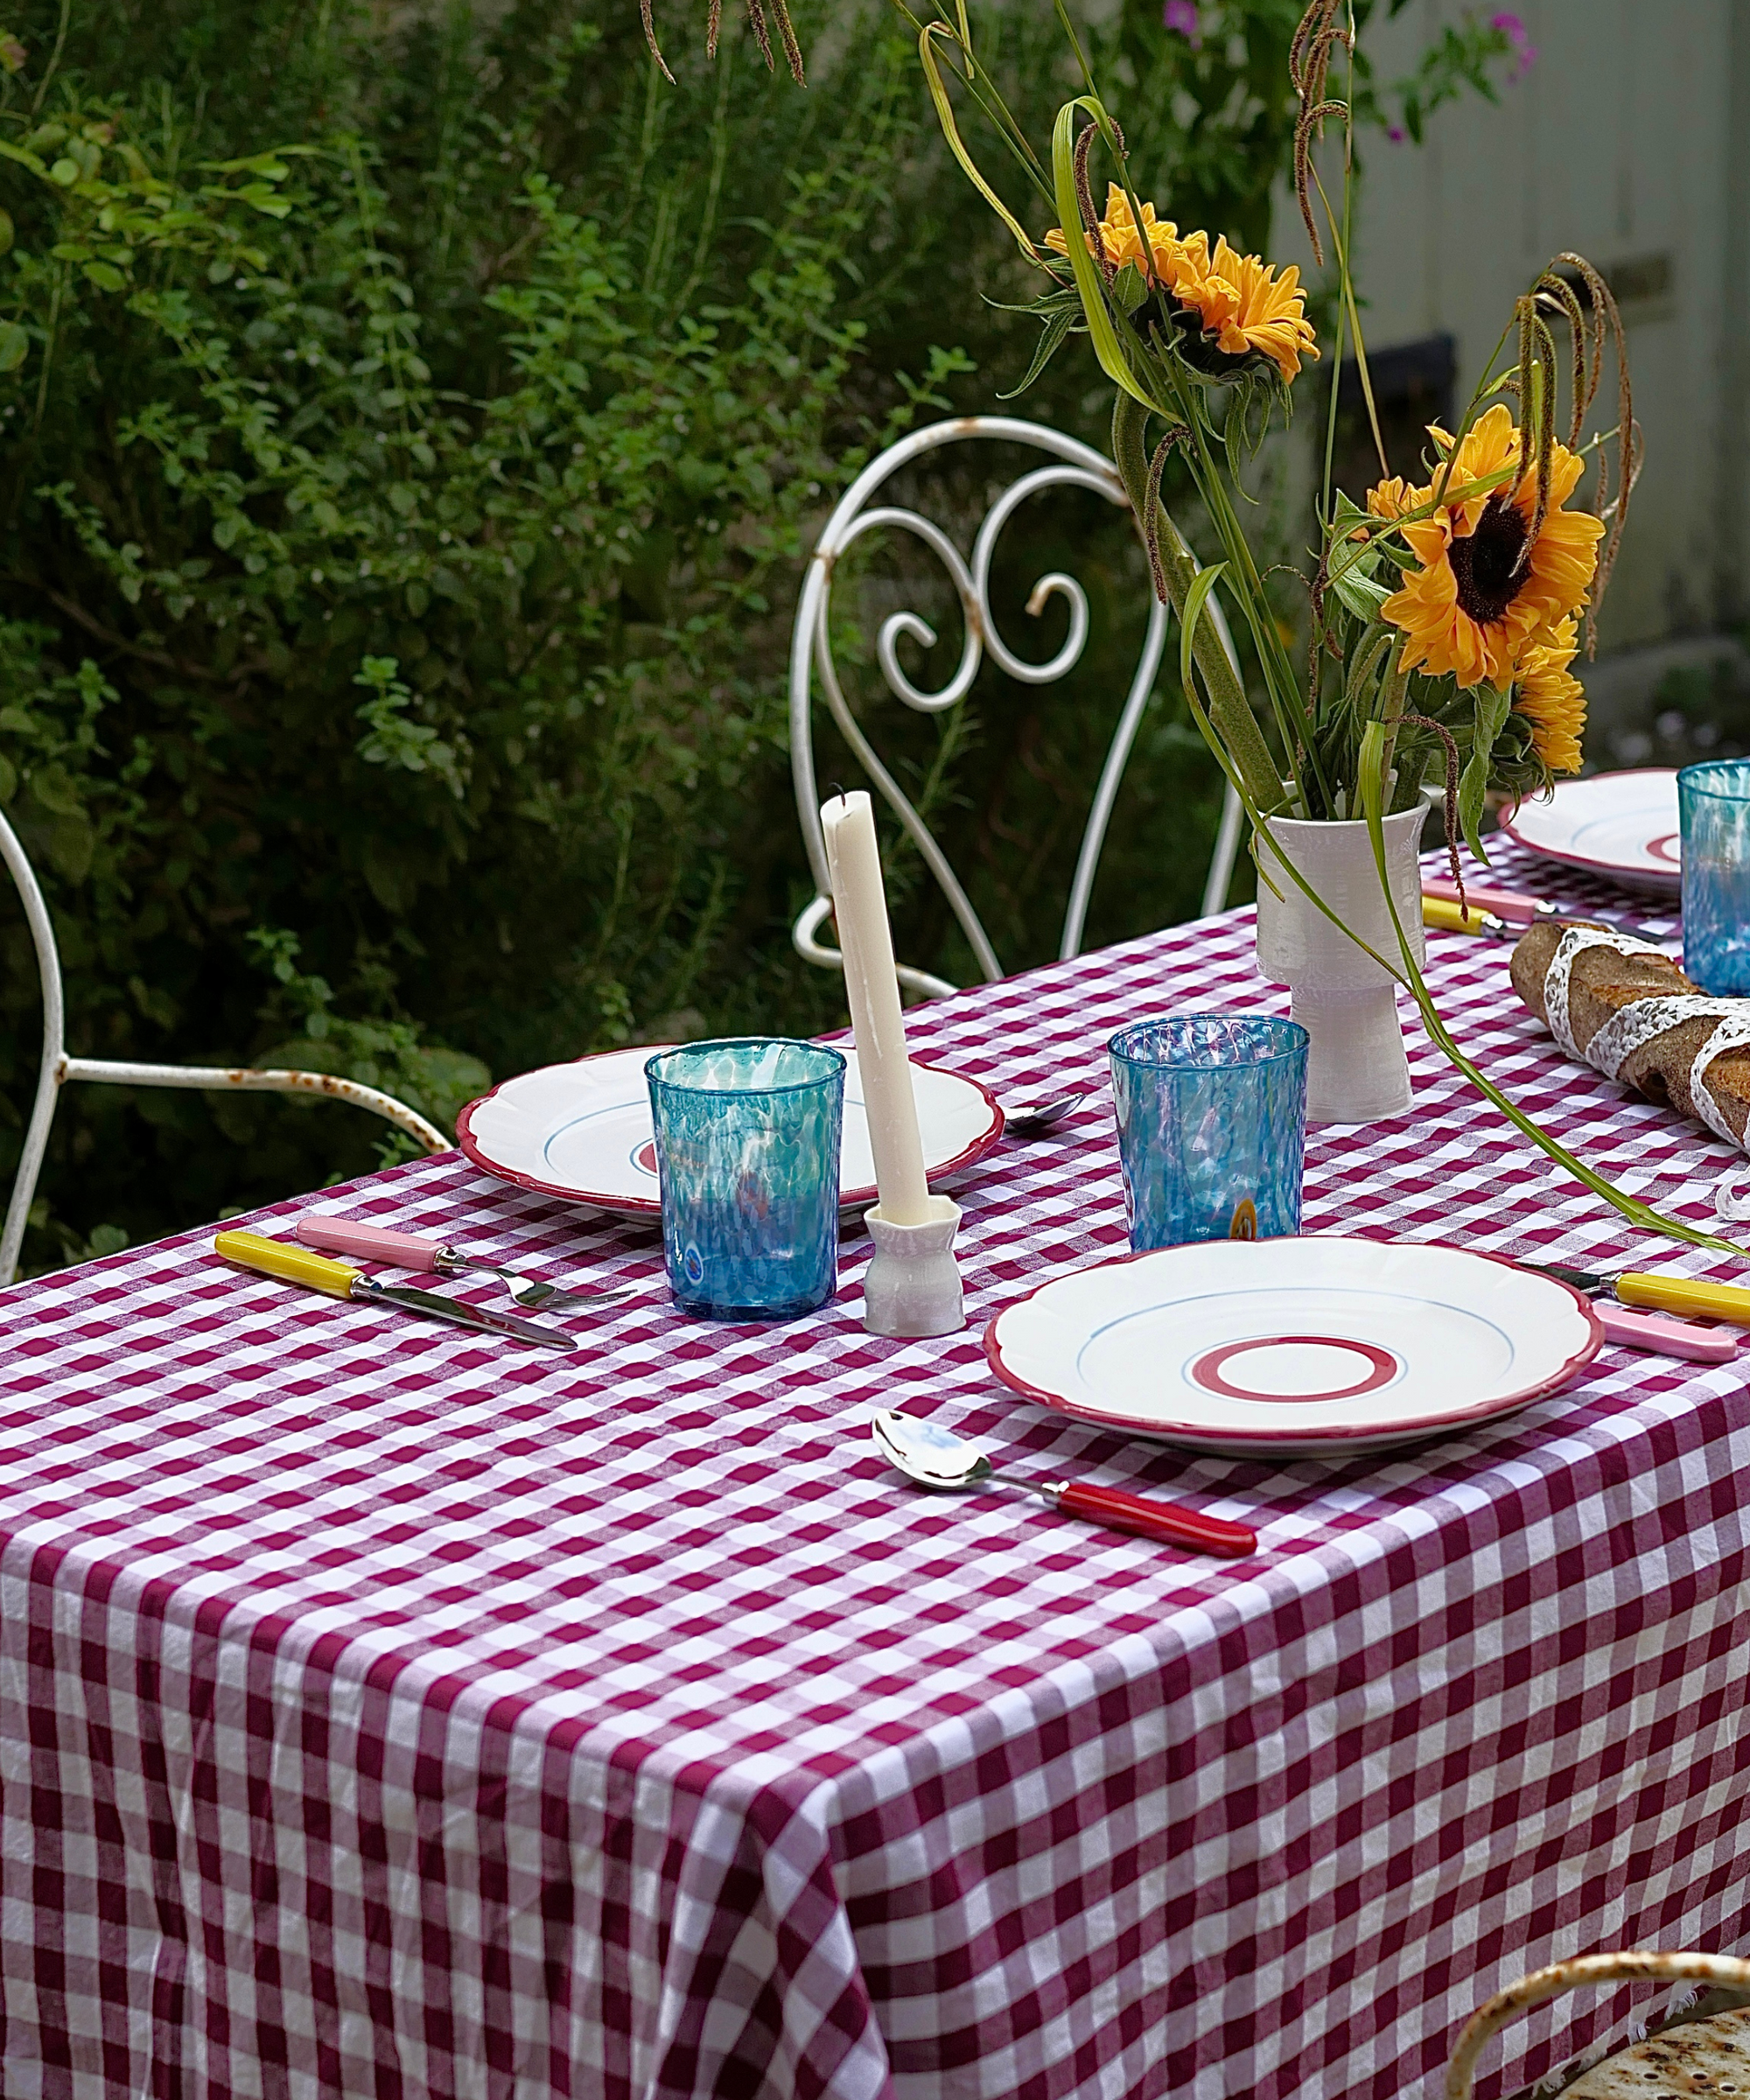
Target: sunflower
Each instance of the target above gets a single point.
(1485, 588)
(1391, 499)
(1551, 699)
(1121, 240)
(1230, 307)
(1242, 303)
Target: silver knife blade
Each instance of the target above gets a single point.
(368, 1290)
(1635, 931)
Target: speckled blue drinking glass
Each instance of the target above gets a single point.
(748, 1139)
(1212, 1117)
(1714, 808)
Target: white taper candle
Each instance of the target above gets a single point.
(859, 904)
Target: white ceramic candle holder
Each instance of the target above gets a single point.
(912, 1286)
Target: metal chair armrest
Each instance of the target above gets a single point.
(244, 1079)
(1544, 1984)
(802, 939)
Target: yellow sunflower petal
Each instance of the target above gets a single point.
(1481, 596)
(1550, 698)
(1391, 499)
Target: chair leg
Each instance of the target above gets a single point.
(29, 1165)
(53, 1069)
(1227, 852)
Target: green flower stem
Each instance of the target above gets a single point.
(1235, 724)
(1391, 702)
(1372, 779)
(1280, 683)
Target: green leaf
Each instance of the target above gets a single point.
(1491, 712)
(1349, 514)
(73, 844)
(6, 233)
(1202, 584)
(1130, 288)
(1370, 774)
(1359, 594)
(53, 789)
(1107, 346)
(14, 346)
(65, 171)
(1051, 340)
(106, 276)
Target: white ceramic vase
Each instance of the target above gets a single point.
(1356, 1070)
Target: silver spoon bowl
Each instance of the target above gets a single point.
(1034, 1118)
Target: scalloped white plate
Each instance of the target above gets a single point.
(1326, 1343)
(1621, 824)
(583, 1131)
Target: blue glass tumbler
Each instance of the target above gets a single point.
(1714, 808)
(747, 1142)
(1212, 1127)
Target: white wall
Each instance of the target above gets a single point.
(1628, 142)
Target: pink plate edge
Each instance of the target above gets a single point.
(1665, 883)
(1298, 1440)
(649, 1206)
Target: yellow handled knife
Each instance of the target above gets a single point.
(1449, 914)
(297, 1264)
(1659, 1293)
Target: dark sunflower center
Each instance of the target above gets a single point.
(1486, 566)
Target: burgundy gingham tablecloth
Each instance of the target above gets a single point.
(386, 1711)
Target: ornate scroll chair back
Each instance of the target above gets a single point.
(1073, 464)
(57, 1067)
(1707, 2056)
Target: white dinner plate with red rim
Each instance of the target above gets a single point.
(1326, 1343)
(583, 1131)
(1621, 824)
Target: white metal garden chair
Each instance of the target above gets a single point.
(1708, 2055)
(1074, 465)
(57, 1067)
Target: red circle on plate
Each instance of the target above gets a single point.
(1668, 847)
(1208, 1370)
(645, 1156)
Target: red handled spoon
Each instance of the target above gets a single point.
(934, 1458)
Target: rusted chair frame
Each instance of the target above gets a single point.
(56, 1067)
(1723, 1970)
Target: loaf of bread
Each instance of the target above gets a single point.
(1603, 980)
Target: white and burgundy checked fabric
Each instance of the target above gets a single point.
(387, 1711)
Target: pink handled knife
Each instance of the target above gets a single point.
(337, 1234)
(1661, 1336)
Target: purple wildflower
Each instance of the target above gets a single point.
(1182, 16)
(1395, 133)
(1516, 34)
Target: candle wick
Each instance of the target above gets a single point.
(839, 789)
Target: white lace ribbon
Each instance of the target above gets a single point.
(1575, 941)
(1632, 1027)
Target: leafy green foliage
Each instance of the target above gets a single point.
(1215, 115)
(408, 439)
(398, 530)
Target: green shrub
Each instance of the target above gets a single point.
(407, 440)
(396, 556)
